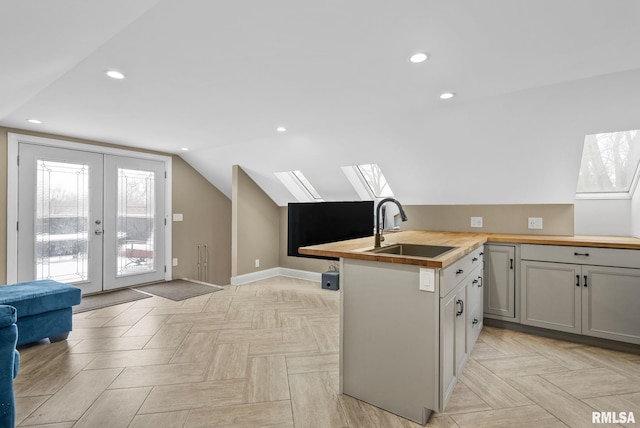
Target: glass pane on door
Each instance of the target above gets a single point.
(135, 222)
(62, 221)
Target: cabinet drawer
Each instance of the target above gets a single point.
(581, 255)
(457, 272)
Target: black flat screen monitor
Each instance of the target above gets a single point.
(312, 223)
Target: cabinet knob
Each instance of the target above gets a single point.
(459, 271)
(475, 321)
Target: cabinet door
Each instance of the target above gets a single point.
(448, 367)
(460, 332)
(499, 284)
(453, 340)
(550, 295)
(610, 303)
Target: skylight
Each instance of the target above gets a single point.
(299, 186)
(306, 184)
(609, 165)
(375, 180)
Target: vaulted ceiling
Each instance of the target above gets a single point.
(218, 77)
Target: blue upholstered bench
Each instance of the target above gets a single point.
(9, 364)
(44, 308)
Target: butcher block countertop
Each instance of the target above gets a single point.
(465, 242)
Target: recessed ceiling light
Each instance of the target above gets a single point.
(114, 74)
(185, 149)
(447, 95)
(281, 129)
(34, 121)
(419, 57)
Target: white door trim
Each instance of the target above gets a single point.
(15, 139)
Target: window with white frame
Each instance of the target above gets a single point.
(368, 181)
(299, 186)
(609, 167)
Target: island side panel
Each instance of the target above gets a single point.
(390, 338)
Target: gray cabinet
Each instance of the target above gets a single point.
(500, 282)
(460, 318)
(453, 347)
(474, 307)
(610, 299)
(588, 299)
(551, 295)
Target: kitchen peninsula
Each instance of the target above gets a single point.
(403, 318)
(408, 322)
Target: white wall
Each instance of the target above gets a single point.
(605, 217)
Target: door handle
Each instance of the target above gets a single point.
(98, 231)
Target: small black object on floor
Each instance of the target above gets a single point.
(331, 280)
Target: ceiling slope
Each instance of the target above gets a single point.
(531, 78)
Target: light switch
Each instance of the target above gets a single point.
(427, 280)
(177, 217)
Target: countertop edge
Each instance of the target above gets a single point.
(466, 243)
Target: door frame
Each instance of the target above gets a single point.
(15, 139)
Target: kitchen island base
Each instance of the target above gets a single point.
(390, 341)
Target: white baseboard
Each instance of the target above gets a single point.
(301, 274)
(270, 273)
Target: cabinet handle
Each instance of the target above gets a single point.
(480, 279)
(585, 281)
(511, 264)
(482, 254)
(459, 271)
(475, 259)
(475, 321)
(577, 280)
(581, 254)
(461, 311)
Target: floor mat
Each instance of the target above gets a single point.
(178, 289)
(109, 298)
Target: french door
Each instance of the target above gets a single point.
(89, 219)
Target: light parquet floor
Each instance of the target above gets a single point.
(266, 354)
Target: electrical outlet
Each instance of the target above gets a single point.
(175, 262)
(535, 223)
(476, 221)
(257, 262)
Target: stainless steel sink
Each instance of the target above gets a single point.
(430, 251)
